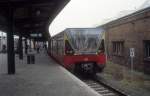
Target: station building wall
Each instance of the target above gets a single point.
(132, 31)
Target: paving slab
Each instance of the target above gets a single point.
(44, 78)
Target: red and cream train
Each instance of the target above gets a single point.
(79, 49)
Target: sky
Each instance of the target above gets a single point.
(92, 13)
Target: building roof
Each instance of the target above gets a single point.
(128, 18)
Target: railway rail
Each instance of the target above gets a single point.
(101, 87)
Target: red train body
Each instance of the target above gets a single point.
(80, 54)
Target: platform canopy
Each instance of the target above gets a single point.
(30, 18)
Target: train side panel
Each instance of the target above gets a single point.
(57, 48)
(99, 60)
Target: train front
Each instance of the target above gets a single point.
(84, 50)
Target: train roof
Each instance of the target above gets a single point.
(68, 29)
(81, 28)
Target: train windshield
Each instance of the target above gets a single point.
(85, 41)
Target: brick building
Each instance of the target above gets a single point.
(132, 31)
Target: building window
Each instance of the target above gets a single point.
(147, 48)
(117, 48)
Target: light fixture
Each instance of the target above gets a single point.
(38, 12)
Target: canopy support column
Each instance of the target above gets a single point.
(10, 43)
(20, 48)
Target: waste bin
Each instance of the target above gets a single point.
(30, 59)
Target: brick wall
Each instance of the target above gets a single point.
(132, 30)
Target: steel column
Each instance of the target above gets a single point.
(10, 43)
(26, 47)
(20, 47)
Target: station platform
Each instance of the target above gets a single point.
(44, 78)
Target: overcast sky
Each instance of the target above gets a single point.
(91, 13)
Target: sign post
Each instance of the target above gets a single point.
(132, 55)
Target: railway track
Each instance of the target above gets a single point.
(102, 88)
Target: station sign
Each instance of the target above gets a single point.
(132, 52)
(36, 35)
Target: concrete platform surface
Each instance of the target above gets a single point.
(45, 78)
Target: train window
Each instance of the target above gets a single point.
(57, 47)
(54, 46)
(60, 47)
(102, 46)
(147, 48)
(117, 48)
(51, 46)
(85, 41)
(68, 48)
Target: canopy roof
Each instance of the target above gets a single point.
(29, 16)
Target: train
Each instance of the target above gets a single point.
(79, 49)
